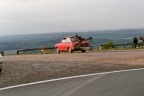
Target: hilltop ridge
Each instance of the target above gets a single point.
(49, 39)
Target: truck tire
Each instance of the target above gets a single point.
(83, 51)
(0, 70)
(57, 50)
(70, 50)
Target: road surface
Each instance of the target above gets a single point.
(126, 83)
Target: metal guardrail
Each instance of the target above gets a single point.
(33, 49)
(124, 45)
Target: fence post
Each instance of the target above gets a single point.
(100, 47)
(124, 46)
(2, 53)
(17, 52)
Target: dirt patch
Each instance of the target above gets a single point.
(30, 68)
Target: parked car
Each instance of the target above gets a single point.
(1, 61)
(74, 43)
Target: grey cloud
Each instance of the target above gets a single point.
(69, 15)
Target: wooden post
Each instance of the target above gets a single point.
(2, 53)
(100, 47)
(124, 46)
(17, 52)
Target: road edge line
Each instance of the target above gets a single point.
(71, 77)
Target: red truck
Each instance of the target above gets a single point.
(74, 43)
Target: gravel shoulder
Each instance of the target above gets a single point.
(30, 68)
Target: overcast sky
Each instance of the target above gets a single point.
(43, 16)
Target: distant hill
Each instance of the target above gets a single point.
(49, 39)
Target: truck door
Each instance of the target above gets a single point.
(62, 45)
(68, 43)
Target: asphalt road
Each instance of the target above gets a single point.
(129, 83)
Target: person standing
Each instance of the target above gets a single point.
(140, 41)
(135, 41)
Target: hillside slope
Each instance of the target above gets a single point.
(49, 39)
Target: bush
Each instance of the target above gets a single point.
(108, 45)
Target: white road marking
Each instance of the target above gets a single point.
(71, 77)
(81, 85)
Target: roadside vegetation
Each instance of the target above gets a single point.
(108, 45)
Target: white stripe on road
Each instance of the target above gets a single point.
(72, 77)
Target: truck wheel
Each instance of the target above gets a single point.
(83, 51)
(0, 70)
(57, 50)
(69, 50)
